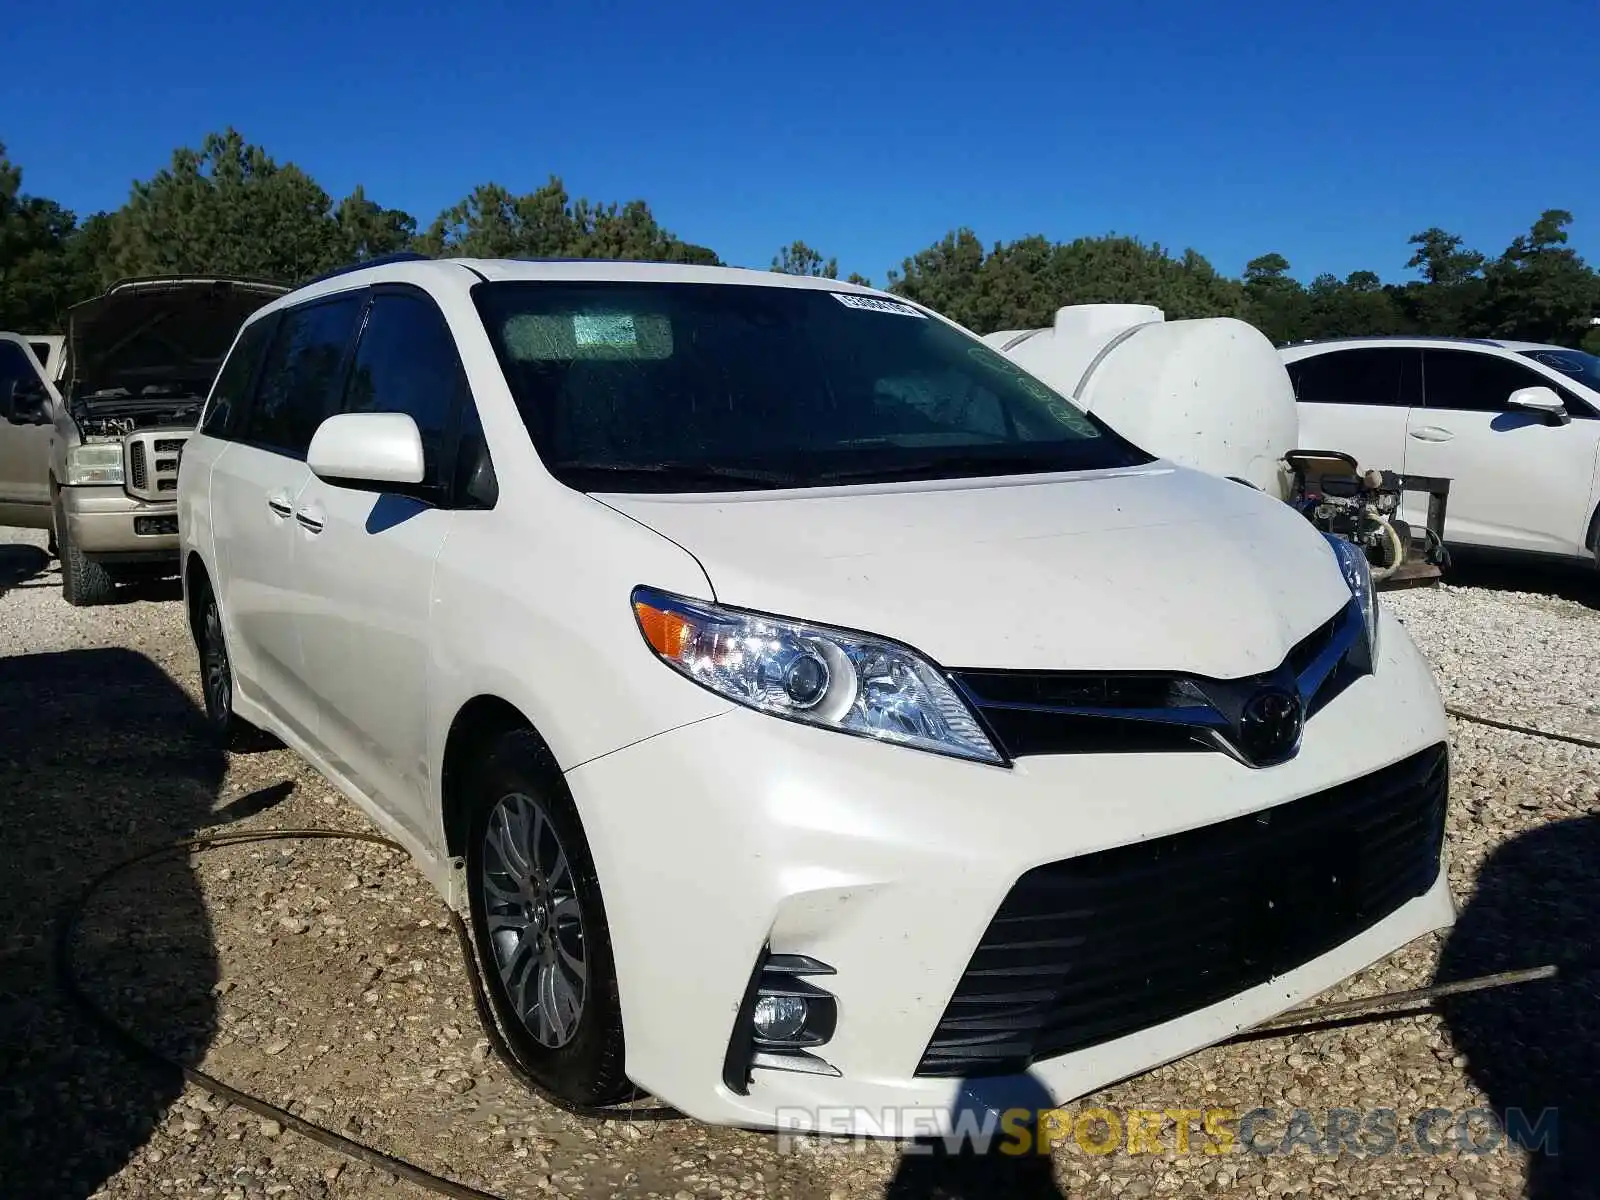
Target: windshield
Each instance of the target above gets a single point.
(1585, 368)
(696, 387)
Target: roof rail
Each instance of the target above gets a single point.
(381, 260)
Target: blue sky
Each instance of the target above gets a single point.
(868, 128)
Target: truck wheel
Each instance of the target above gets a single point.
(84, 582)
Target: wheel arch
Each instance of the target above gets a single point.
(196, 582)
(475, 727)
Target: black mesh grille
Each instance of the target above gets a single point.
(1093, 948)
(138, 471)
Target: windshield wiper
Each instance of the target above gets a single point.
(948, 466)
(688, 472)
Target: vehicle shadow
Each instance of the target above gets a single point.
(21, 564)
(102, 755)
(1535, 1048)
(1578, 582)
(1008, 1163)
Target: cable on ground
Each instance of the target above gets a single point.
(1284, 1025)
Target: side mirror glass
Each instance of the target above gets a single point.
(372, 451)
(1541, 400)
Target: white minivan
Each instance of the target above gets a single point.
(816, 716)
(1514, 426)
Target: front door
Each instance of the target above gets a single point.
(1517, 481)
(367, 558)
(24, 442)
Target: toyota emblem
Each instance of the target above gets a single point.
(1269, 729)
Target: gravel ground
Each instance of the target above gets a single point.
(323, 976)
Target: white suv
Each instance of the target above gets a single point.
(1514, 426)
(810, 709)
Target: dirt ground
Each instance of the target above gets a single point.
(324, 976)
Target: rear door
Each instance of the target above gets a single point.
(24, 445)
(256, 486)
(367, 557)
(1517, 482)
(1357, 400)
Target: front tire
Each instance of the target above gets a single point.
(84, 582)
(539, 926)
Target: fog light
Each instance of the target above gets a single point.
(779, 1018)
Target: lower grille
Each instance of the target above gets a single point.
(1097, 947)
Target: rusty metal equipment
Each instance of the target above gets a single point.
(1329, 488)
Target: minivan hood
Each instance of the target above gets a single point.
(1149, 568)
(171, 331)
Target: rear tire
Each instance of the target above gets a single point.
(84, 582)
(228, 731)
(539, 925)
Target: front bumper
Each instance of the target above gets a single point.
(106, 521)
(887, 864)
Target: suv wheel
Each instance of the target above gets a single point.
(539, 926)
(84, 582)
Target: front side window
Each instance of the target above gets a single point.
(691, 386)
(406, 362)
(1466, 381)
(1576, 364)
(300, 379)
(1384, 376)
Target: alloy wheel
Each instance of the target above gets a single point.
(534, 919)
(218, 675)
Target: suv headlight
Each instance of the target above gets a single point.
(819, 676)
(97, 462)
(1353, 566)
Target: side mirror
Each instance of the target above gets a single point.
(1541, 400)
(367, 450)
(24, 404)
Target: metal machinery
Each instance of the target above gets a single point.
(1213, 394)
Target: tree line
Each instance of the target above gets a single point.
(230, 208)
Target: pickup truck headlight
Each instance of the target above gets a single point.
(814, 674)
(1353, 566)
(97, 462)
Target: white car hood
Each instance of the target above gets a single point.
(1153, 568)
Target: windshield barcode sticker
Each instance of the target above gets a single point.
(873, 304)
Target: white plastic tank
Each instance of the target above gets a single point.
(1210, 393)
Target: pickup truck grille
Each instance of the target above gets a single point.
(152, 458)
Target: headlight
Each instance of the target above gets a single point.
(1353, 565)
(813, 674)
(97, 462)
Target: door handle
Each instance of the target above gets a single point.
(279, 505)
(1431, 433)
(309, 521)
